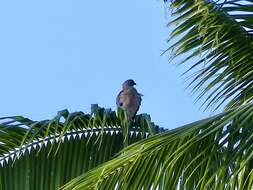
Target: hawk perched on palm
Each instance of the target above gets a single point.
(129, 99)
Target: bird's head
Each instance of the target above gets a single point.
(128, 83)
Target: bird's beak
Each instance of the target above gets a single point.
(134, 83)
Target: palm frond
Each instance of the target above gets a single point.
(216, 34)
(214, 153)
(241, 11)
(47, 154)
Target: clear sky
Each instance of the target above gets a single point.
(70, 54)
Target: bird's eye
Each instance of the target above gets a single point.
(131, 83)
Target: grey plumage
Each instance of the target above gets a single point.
(129, 99)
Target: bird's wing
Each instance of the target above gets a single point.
(133, 102)
(137, 102)
(119, 102)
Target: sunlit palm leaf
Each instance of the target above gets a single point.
(212, 32)
(214, 153)
(47, 154)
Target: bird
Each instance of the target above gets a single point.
(129, 99)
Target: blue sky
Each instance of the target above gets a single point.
(70, 54)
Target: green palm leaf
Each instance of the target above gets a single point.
(214, 153)
(241, 11)
(216, 34)
(47, 154)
